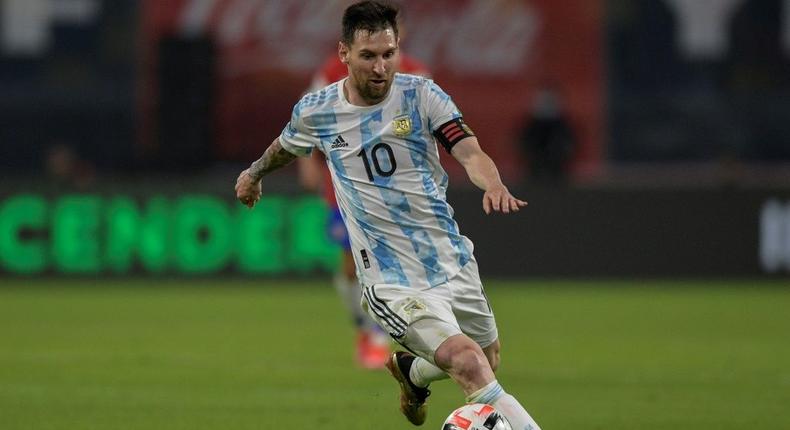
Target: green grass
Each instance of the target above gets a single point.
(239, 355)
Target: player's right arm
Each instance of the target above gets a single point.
(296, 140)
(248, 184)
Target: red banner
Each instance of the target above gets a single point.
(491, 56)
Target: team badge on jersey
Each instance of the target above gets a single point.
(402, 126)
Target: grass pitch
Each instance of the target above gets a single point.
(194, 355)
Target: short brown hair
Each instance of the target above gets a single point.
(370, 16)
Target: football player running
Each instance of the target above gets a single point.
(380, 133)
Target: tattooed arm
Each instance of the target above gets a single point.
(272, 159)
(248, 184)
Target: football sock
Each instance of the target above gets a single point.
(494, 395)
(422, 373)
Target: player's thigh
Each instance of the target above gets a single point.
(471, 306)
(420, 320)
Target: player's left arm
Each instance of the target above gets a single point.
(459, 140)
(484, 174)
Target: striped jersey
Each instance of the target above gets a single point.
(389, 184)
(334, 70)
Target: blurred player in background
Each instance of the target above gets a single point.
(380, 132)
(372, 343)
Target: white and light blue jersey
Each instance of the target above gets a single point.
(389, 184)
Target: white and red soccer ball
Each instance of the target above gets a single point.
(476, 416)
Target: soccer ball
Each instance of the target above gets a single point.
(476, 416)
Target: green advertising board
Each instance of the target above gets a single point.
(193, 234)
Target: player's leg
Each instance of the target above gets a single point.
(420, 321)
(492, 393)
(476, 319)
(372, 343)
(477, 313)
(422, 372)
(492, 354)
(465, 362)
(425, 323)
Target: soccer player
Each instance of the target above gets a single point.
(380, 133)
(372, 343)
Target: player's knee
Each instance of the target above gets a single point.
(463, 360)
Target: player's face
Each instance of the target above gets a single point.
(372, 59)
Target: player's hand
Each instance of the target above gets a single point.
(499, 199)
(248, 190)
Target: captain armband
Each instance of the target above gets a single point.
(452, 132)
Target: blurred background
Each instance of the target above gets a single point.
(645, 286)
(651, 137)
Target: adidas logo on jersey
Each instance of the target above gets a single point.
(339, 143)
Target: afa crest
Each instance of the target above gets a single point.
(402, 126)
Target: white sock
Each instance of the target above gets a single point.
(494, 395)
(422, 373)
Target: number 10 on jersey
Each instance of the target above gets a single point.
(375, 153)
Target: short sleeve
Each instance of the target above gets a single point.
(296, 137)
(439, 106)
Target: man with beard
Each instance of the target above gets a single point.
(372, 342)
(379, 132)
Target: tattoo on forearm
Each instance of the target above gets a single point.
(272, 159)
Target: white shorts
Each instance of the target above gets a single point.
(421, 320)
